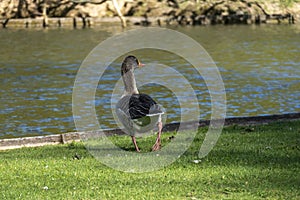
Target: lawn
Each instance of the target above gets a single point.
(248, 162)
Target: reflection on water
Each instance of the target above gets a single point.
(260, 66)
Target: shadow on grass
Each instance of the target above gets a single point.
(274, 145)
(253, 158)
(47, 152)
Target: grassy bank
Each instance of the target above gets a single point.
(257, 162)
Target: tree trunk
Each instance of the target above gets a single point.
(122, 18)
(4, 22)
(45, 17)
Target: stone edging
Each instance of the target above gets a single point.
(76, 136)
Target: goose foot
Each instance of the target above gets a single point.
(157, 144)
(135, 144)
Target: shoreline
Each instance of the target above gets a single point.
(183, 12)
(35, 141)
(90, 22)
(77, 22)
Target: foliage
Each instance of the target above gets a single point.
(288, 3)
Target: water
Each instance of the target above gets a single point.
(260, 67)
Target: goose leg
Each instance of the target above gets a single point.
(135, 144)
(157, 146)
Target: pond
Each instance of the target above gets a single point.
(259, 65)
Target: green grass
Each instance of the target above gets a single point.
(257, 162)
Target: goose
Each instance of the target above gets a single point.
(137, 112)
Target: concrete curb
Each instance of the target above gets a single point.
(76, 136)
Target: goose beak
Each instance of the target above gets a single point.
(141, 64)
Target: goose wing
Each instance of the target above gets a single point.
(138, 105)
